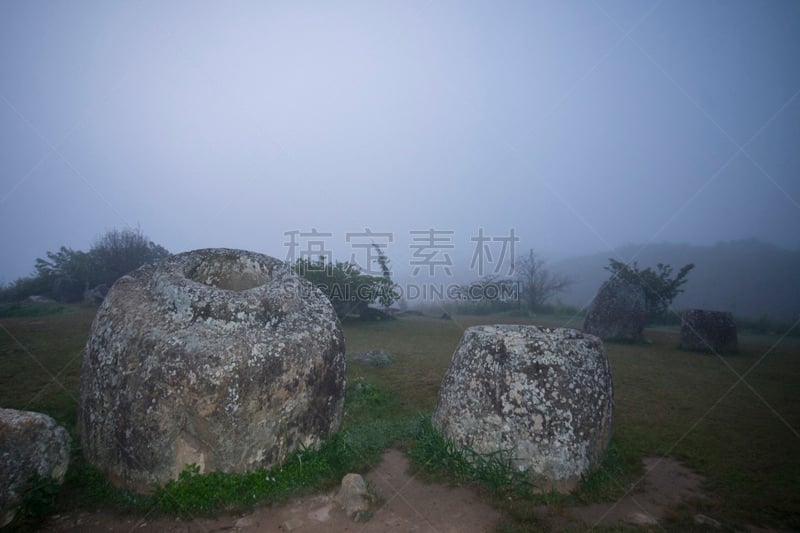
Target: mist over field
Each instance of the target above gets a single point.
(749, 278)
(456, 136)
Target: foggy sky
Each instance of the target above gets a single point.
(582, 126)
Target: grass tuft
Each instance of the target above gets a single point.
(434, 454)
(355, 448)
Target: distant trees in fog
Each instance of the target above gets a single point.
(65, 275)
(660, 287)
(537, 284)
(530, 287)
(351, 291)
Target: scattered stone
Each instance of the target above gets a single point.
(542, 395)
(640, 519)
(38, 299)
(446, 316)
(379, 358)
(703, 520)
(353, 495)
(323, 514)
(291, 525)
(225, 359)
(708, 331)
(618, 312)
(32, 445)
(244, 522)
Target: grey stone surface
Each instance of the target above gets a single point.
(32, 445)
(353, 495)
(221, 358)
(619, 312)
(543, 395)
(708, 331)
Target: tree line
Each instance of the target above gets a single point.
(66, 275)
(533, 286)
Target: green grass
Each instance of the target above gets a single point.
(668, 402)
(741, 436)
(29, 309)
(40, 361)
(438, 458)
(357, 447)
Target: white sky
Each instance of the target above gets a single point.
(581, 125)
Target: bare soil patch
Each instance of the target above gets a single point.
(666, 484)
(406, 503)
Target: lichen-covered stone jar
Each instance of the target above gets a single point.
(542, 396)
(221, 358)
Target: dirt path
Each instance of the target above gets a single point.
(666, 484)
(408, 504)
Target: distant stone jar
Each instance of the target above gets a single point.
(543, 396)
(221, 358)
(618, 312)
(709, 331)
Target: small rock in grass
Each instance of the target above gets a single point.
(291, 525)
(323, 514)
(703, 520)
(353, 496)
(244, 522)
(640, 519)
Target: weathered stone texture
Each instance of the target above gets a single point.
(222, 358)
(353, 495)
(619, 311)
(709, 331)
(32, 446)
(544, 395)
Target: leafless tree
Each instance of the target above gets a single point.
(537, 284)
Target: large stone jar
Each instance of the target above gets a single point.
(221, 358)
(543, 397)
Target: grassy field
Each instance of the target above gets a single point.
(742, 435)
